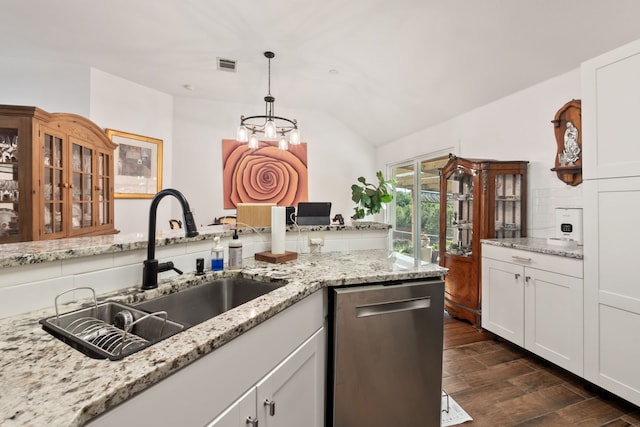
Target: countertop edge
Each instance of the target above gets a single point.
(536, 244)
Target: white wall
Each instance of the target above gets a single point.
(517, 127)
(122, 105)
(336, 156)
(52, 86)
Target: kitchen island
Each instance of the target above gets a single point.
(45, 382)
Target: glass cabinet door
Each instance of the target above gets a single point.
(460, 213)
(9, 189)
(508, 199)
(82, 187)
(54, 216)
(103, 185)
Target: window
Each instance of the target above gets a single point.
(415, 212)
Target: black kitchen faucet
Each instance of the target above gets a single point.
(151, 267)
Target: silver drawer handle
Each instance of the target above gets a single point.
(252, 421)
(520, 258)
(272, 406)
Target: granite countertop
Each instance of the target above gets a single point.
(45, 382)
(536, 244)
(25, 253)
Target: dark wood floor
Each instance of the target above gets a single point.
(499, 384)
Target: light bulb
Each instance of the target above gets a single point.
(253, 141)
(243, 134)
(282, 143)
(270, 130)
(294, 137)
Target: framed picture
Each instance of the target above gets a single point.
(138, 165)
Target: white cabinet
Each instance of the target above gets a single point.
(242, 412)
(535, 301)
(287, 348)
(289, 396)
(611, 91)
(612, 294)
(503, 299)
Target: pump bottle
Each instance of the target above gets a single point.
(235, 252)
(217, 255)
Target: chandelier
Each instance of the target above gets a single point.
(268, 125)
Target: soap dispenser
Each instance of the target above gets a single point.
(235, 252)
(217, 255)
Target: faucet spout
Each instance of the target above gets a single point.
(151, 267)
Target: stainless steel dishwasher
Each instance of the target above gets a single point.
(386, 364)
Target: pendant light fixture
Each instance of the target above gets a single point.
(268, 126)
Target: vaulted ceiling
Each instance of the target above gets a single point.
(384, 68)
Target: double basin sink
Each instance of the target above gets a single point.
(113, 330)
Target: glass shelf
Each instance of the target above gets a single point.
(508, 200)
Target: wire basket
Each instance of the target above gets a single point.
(109, 330)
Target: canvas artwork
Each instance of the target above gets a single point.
(264, 175)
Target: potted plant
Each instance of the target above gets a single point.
(370, 197)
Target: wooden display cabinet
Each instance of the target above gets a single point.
(56, 176)
(479, 199)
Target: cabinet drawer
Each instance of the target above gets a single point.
(555, 263)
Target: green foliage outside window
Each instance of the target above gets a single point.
(430, 222)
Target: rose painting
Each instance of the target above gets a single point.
(264, 175)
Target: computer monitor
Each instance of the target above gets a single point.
(314, 213)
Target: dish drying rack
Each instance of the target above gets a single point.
(109, 330)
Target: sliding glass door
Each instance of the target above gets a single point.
(416, 209)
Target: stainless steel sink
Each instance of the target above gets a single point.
(202, 302)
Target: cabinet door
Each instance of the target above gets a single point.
(83, 180)
(460, 212)
(503, 299)
(611, 90)
(12, 226)
(292, 395)
(54, 213)
(612, 294)
(553, 318)
(509, 214)
(241, 413)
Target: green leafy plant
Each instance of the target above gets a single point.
(370, 197)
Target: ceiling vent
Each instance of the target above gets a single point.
(226, 65)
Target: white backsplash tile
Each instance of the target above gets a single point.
(543, 205)
(129, 257)
(110, 280)
(30, 273)
(32, 296)
(81, 265)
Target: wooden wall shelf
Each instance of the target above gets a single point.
(570, 175)
(571, 112)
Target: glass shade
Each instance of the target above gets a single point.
(270, 130)
(294, 137)
(243, 134)
(253, 141)
(282, 143)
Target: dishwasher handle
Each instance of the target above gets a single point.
(388, 307)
